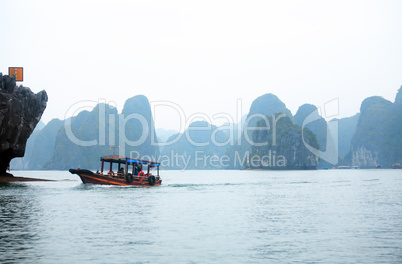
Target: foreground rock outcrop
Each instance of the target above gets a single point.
(20, 111)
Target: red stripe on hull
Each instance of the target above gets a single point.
(105, 180)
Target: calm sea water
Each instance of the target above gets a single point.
(334, 216)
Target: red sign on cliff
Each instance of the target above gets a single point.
(18, 71)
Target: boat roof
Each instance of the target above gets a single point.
(124, 160)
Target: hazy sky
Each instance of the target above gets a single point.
(204, 55)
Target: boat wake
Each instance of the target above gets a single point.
(186, 185)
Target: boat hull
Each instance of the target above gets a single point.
(96, 178)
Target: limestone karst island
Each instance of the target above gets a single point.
(20, 112)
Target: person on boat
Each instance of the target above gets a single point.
(137, 168)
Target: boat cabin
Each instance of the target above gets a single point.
(118, 166)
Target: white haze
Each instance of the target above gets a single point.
(204, 55)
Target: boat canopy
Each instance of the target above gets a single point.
(124, 160)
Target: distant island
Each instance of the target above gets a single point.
(368, 139)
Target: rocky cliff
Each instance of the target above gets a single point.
(346, 130)
(318, 127)
(265, 105)
(378, 140)
(84, 138)
(137, 135)
(282, 148)
(20, 111)
(81, 140)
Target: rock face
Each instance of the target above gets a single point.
(282, 148)
(20, 111)
(265, 105)
(78, 142)
(346, 130)
(318, 127)
(137, 137)
(81, 140)
(378, 139)
(365, 158)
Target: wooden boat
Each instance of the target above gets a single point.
(129, 172)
